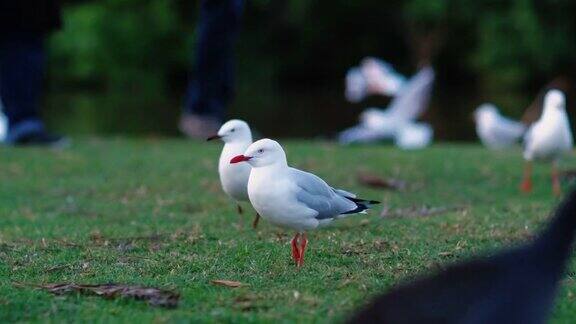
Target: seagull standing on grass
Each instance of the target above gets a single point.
(236, 136)
(494, 130)
(548, 139)
(293, 199)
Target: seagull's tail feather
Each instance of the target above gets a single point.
(361, 205)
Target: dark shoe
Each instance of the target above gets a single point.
(198, 127)
(42, 139)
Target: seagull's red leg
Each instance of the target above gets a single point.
(256, 220)
(526, 185)
(239, 208)
(303, 243)
(295, 252)
(556, 189)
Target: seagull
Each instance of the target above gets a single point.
(408, 105)
(291, 198)
(237, 137)
(494, 130)
(548, 139)
(514, 286)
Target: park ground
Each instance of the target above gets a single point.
(151, 212)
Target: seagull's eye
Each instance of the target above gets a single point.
(232, 130)
(261, 151)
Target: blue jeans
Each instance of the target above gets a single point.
(22, 60)
(212, 84)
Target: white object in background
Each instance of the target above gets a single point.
(548, 139)
(494, 130)
(372, 77)
(355, 85)
(381, 78)
(410, 103)
(3, 123)
(414, 136)
(550, 136)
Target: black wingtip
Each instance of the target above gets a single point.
(361, 205)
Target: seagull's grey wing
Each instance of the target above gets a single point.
(316, 194)
(567, 134)
(509, 129)
(344, 193)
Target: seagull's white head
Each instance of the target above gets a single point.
(554, 102)
(485, 112)
(234, 130)
(264, 152)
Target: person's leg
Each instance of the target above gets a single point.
(22, 62)
(211, 86)
(21, 71)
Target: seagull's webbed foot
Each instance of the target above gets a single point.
(303, 243)
(256, 220)
(295, 250)
(239, 208)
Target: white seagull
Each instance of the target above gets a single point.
(494, 130)
(237, 137)
(548, 139)
(291, 198)
(407, 106)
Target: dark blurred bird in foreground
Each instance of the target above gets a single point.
(515, 286)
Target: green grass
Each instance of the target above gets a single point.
(151, 212)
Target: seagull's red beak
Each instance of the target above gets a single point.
(240, 158)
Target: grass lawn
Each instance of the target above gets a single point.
(151, 212)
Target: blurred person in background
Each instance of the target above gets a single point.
(24, 26)
(212, 83)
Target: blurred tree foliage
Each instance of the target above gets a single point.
(488, 47)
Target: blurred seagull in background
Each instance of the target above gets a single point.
(237, 137)
(548, 139)
(3, 123)
(494, 130)
(293, 199)
(409, 104)
(514, 286)
(372, 77)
